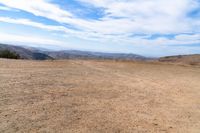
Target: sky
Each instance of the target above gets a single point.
(146, 27)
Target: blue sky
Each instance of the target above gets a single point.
(145, 27)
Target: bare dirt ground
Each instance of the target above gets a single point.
(98, 96)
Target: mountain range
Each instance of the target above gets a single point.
(40, 54)
(44, 54)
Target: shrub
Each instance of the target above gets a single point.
(8, 54)
(193, 63)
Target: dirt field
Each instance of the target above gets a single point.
(98, 96)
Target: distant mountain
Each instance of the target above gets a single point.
(44, 54)
(41, 54)
(183, 59)
(72, 54)
(25, 53)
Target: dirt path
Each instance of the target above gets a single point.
(98, 96)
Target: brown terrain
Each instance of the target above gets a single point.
(88, 96)
(182, 59)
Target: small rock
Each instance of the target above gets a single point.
(155, 124)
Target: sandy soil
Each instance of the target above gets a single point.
(98, 96)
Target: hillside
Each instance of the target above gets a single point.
(25, 53)
(9, 54)
(40, 54)
(75, 54)
(44, 54)
(182, 59)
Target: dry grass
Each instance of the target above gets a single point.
(98, 96)
(182, 59)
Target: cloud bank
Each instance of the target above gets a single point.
(145, 22)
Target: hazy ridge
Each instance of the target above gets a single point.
(34, 53)
(43, 54)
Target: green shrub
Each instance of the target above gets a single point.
(8, 54)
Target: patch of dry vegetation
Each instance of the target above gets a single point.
(182, 59)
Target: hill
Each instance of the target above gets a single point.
(44, 54)
(25, 53)
(182, 59)
(76, 54)
(40, 54)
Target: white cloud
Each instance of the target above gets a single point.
(37, 7)
(141, 40)
(12, 38)
(185, 37)
(147, 16)
(134, 17)
(79, 34)
(5, 8)
(36, 24)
